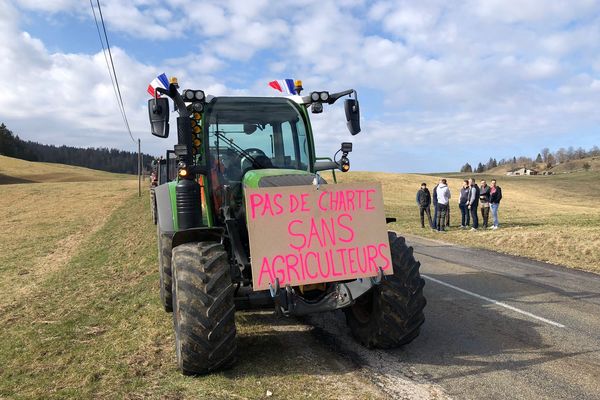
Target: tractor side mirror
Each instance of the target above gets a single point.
(158, 111)
(352, 115)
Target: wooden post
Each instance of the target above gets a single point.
(139, 169)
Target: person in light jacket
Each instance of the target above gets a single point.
(473, 203)
(435, 205)
(443, 198)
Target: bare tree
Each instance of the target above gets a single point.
(545, 154)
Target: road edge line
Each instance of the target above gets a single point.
(496, 302)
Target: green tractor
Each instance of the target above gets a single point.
(163, 170)
(224, 146)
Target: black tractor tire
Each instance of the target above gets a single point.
(153, 207)
(164, 271)
(203, 308)
(391, 314)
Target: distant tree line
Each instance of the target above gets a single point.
(545, 157)
(111, 160)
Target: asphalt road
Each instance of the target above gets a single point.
(497, 327)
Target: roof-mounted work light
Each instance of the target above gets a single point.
(193, 95)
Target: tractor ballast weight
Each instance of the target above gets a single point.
(225, 146)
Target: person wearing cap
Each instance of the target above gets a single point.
(424, 201)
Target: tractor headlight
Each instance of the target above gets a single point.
(199, 95)
(324, 96)
(198, 107)
(344, 164)
(316, 108)
(314, 96)
(188, 95)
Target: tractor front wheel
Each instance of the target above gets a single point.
(392, 313)
(203, 308)
(164, 270)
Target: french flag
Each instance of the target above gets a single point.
(283, 85)
(159, 81)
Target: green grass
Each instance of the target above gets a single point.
(92, 327)
(552, 218)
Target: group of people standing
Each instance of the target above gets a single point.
(472, 199)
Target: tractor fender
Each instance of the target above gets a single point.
(198, 235)
(164, 208)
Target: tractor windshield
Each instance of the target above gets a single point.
(253, 133)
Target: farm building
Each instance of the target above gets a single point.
(522, 171)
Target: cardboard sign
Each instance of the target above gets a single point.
(304, 235)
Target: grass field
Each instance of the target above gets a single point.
(548, 218)
(81, 318)
(13, 170)
(80, 312)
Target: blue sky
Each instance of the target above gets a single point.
(440, 82)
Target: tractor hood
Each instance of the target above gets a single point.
(272, 177)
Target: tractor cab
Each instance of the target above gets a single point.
(228, 143)
(246, 135)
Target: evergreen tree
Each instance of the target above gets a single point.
(539, 158)
(111, 160)
(480, 168)
(466, 168)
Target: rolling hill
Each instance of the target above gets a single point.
(14, 170)
(566, 167)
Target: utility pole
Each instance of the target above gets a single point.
(139, 168)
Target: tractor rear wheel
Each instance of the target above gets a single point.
(203, 308)
(164, 271)
(392, 313)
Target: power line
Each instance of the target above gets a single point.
(111, 72)
(112, 80)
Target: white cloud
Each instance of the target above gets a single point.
(541, 69)
(462, 74)
(513, 11)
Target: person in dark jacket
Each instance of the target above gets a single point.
(473, 203)
(424, 201)
(435, 205)
(495, 197)
(465, 217)
(484, 202)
